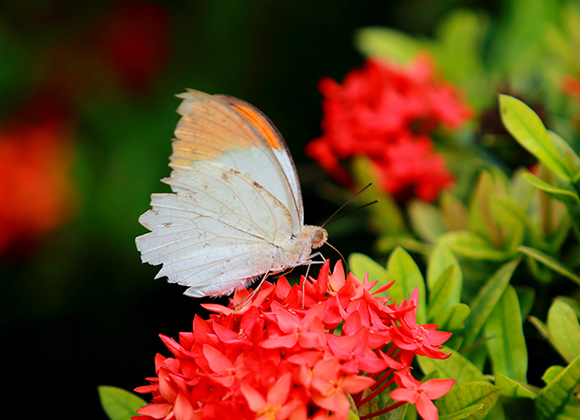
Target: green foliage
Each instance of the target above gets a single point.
(118, 403)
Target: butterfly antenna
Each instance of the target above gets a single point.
(348, 201)
(352, 211)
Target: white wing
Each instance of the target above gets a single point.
(218, 231)
(231, 132)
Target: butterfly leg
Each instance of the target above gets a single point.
(245, 300)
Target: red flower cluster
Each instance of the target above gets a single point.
(35, 187)
(386, 112)
(293, 355)
(571, 86)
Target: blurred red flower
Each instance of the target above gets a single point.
(571, 86)
(386, 112)
(35, 190)
(279, 356)
(136, 38)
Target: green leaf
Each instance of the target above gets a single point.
(439, 296)
(552, 399)
(426, 220)
(486, 300)
(439, 261)
(541, 327)
(552, 373)
(507, 211)
(470, 245)
(454, 211)
(550, 262)
(455, 367)
(527, 128)
(506, 343)
(561, 194)
(452, 318)
(466, 395)
(570, 158)
(403, 269)
(526, 297)
(386, 43)
(463, 413)
(512, 389)
(360, 265)
(481, 220)
(564, 330)
(118, 403)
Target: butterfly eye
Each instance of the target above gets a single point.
(318, 236)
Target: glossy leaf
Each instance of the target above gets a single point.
(466, 395)
(470, 245)
(452, 318)
(456, 367)
(552, 373)
(360, 265)
(550, 262)
(527, 128)
(561, 194)
(564, 330)
(486, 301)
(426, 220)
(554, 397)
(118, 403)
(505, 338)
(441, 292)
(439, 261)
(386, 43)
(511, 388)
(404, 270)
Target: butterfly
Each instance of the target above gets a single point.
(236, 212)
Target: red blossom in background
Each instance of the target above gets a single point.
(386, 112)
(275, 358)
(571, 86)
(35, 158)
(135, 38)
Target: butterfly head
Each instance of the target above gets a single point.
(319, 237)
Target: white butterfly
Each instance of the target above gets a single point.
(236, 209)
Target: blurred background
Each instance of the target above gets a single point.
(87, 112)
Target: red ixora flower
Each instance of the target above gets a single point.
(280, 356)
(35, 158)
(386, 112)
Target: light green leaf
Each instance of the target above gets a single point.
(404, 270)
(480, 217)
(564, 330)
(468, 394)
(426, 220)
(505, 338)
(375, 41)
(513, 389)
(552, 399)
(527, 128)
(507, 211)
(440, 293)
(540, 326)
(569, 156)
(439, 261)
(454, 211)
(561, 194)
(552, 373)
(470, 245)
(486, 300)
(463, 413)
(118, 403)
(452, 318)
(455, 367)
(526, 297)
(550, 262)
(360, 265)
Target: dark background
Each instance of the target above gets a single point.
(78, 309)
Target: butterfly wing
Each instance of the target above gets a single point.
(233, 208)
(216, 233)
(230, 132)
